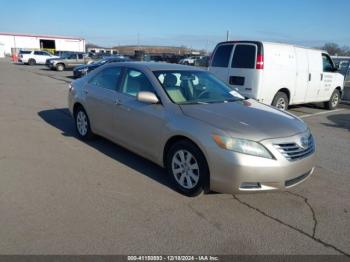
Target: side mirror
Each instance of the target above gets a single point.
(147, 97)
(336, 68)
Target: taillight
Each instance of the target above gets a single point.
(260, 62)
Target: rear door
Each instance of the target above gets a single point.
(315, 74)
(101, 96)
(302, 75)
(219, 65)
(242, 72)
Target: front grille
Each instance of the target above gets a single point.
(294, 151)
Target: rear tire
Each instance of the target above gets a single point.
(31, 62)
(188, 168)
(333, 101)
(60, 67)
(82, 124)
(281, 101)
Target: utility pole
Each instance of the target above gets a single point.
(227, 35)
(138, 40)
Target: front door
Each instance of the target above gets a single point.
(327, 78)
(139, 124)
(101, 96)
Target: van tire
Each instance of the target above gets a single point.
(281, 101)
(333, 101)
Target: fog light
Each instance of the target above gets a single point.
(250, 185)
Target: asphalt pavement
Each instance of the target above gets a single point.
(59, 195)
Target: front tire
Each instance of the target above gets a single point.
(188, 168)
(82, 124)
(281, 101)
(333, 101)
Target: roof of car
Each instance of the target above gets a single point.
(156, 66)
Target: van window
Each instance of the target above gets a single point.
(327, 63)
(244, 56)
(222, 56)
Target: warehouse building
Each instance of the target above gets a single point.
(13, 42)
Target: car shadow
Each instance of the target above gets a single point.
(339, 121)
(62, 120)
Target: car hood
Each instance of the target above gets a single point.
(247, 119)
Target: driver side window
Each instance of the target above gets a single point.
(327, 64)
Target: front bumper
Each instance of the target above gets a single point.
(232, 172)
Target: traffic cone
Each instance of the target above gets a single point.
(14, 58)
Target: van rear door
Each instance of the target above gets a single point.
(243, 74)
(220, 62)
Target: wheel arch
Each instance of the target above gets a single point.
(175, 138)
(286, 91)
(340, 90)
(76, 106)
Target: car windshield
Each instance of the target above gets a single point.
(195, 87)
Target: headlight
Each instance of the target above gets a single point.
(242, 146)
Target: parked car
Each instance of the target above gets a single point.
(278, 74)
(63, 53)
(189, 60)
(83, 70)
(34, 57)
(68, 61)
(205, 134)
(202, 62)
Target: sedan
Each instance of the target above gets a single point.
(205, 134)
(83, 70)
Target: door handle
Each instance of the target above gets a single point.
(321, 77)
(309, 77)
(86, 91)
(117, 102)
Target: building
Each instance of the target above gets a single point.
(13, 42)
(2, 50)
(102, 50)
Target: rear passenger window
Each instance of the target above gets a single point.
(107, 78)
(222, 56)
(244, 56)
(136, 81)
(80, 56)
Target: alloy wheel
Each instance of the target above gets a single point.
(185, 169)
(82, 123)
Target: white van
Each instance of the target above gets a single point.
(278, 74)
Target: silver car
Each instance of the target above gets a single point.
(205, 134)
